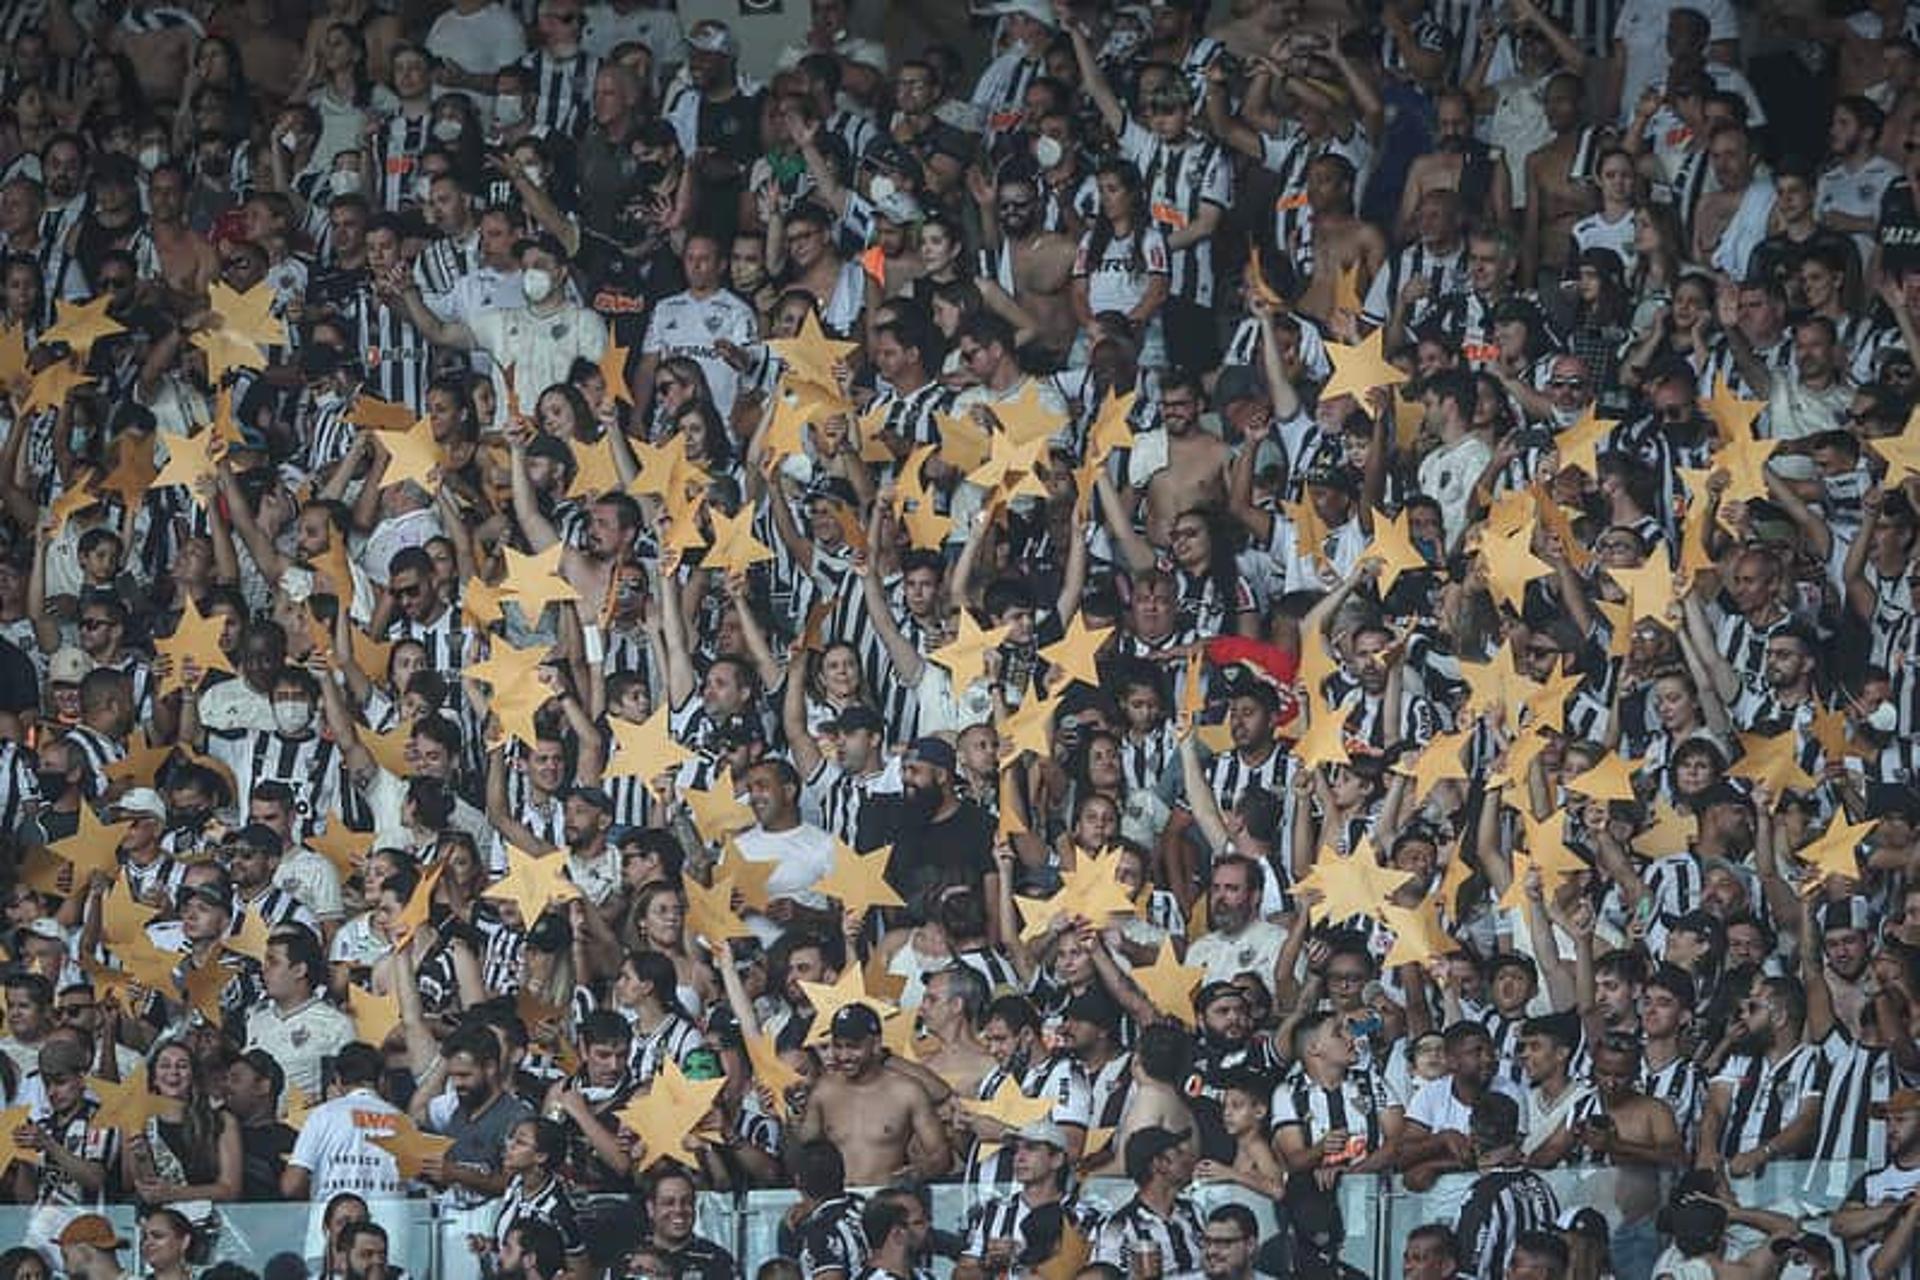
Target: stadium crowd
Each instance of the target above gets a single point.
(1047, 596)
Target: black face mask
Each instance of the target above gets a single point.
(189, 819)
(52, 784)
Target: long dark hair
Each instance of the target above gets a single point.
(1102, 232)
(362, 79)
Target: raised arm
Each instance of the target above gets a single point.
(1092, 79)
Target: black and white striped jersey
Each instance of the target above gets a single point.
(1135, 1224)
(1356, 1106)
(1766, 1094)
(1503, 1204)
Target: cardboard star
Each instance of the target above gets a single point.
(480, 603)
(1579, 445)
(1112, 426)
(667, 1114)
(1417, 934)
(513, 675)
(1774, 761)
(1619, 626)
(535, 582)
(710, 912)
(963, 442)
(789, 416)
(1670, 832)
(1439, 761)
(123, 917)
(128, 1105)
(190, 459)
(813, 357)
(1030, 728)
(11, 1120)
(1553, 517)
(51, 387)
(412, 455)
(1359, 368)
(410, 1147)
(1169, 984)
(1829, 729)
(1010, 462)
(1547, 847)
(1732, 415)
(413, 916)
(389, 749)
(1090, 891)
(771, 1070)
(1745, 462)
(716, 811)
(251, 940)
(375, 1017)
(1069, 1258)
(248, 316)
(1496, 684)
(749, 876)
(204, 984)
(1075, 656)
(1610, 779)
(133, 471)
(195, 636)
(1325, 739)
(1511, 564)
(1835, 852)
(965, 655)
(595, 469)
(1392, 545)
(13, 355)
(1901, 453)
(734, 548)
(536, 883)
(613, 369)
(644, 750)
(1009, 1106)
(1649, 588)
(371, 413)
(76, 498)
(95, 847)
(828, 999)
(1027, 418)
(1547, 706)
(859, 881)
(927, 529)
(1354, 885)
(81, 324)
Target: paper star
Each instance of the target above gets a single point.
(927, 529)
(1112, 426)
(1610, 779)
(190, 459)
(1009, 1106)
(128, 1105)
(1417, 934)
(535, 581)
(1069, 1257)
(667, 1114)
(965, 655)
(1346, 290)
(1774, 761)
(1547, 707)
(1392, 545)
(1027, 418)
(734, 549)
(1547, 847)
(375, 1017)
(51, 387)
(513, 675)
(828, 999)
(389, 749)
(963, 441)
(412, 455)
(248, 316)
(480, 603)
(372, 413)
(12, 1120)
(1011, 463)
(1090, 891)
(1511, 564)
(873, 435)
(81, 324)
(1619, 626)
(1359, 368)
(813, 357)
(1901, 453)
(413, 915)
(1649, 588)
(411, 1148)
(710, 912)
(1075, 656)
(1438, 761)
(123, 917)
(644, 750)
(1354, 885)
(1670, 832)
(133, 471)
(1030, 728)
(75, 499)
(196, 636)
(535, 883)
(1325, 741)
(1732, 415)
(1835, 852)
(1579, 445)
(749, 876)
(613, 369)
(716, 811)
(252, 938)
(205, 983)
(1169, 984)
(1553, 517)
(859, 881)
(1496, 684)
(595, 469)
(1745, 461)
(1256, 282)
(1829, 729)
(95, 847)
(771, 1070)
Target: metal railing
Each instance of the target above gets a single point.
(1377, 1212)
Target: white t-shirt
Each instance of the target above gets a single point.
(1447, 475)
(1435, 1106)
(481, 42)
(540, 347)
(804, 855)
(684, 325)
(1642, 29)
(1124, 270)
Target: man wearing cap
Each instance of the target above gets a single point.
(151, 875)
(880, 1118)
(75, 1156)
(294, 1024)
(253, 857)
(950, 837)
(255, 1085)
(1764, 1104)
(837, 786)
(1156, 1234)
(1091, 1023)
(1012, 1234)
(90, 1248)
(717, 115)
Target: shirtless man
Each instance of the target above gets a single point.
(1029, 264)
(1341, 241)
(1619, 1124)
(1162, 1061)
(187, 262)
(1730, 153)
(954, 1000)
(881, 1120)
(160, 54)
(1557, 197)
(1189, 469)
(1458, 162)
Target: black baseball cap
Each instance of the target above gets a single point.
(856, 718)
(1144, 1147)
(855, 1022)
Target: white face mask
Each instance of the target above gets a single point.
(1047, 152)
(1566, 417)
(447, 129)
(292, 716)
(346, 182)
(882, 188)
(537, 282)
(1797, 1271)
(508, 112)
(151, 155)
(1883, 718)
(535, 175)
(290, 140)
(422, 188)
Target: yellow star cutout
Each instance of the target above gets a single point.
(1010, 1107)
(1511, 564)
(1439, 761)
(1835, 852)
(965, 655)
(1090, 891)
(858, 882)
(195, 636)
(1325, 741)
(412, 455)
(371, 413)
(1075, 656)
(1579, 445)
(1392, 545)
(1732, 415)
(52, 385)
(1417, 934)
(1346, 290)
(646, 749)
(1031, 727)
(123, 917)
(595, 470)
(95, 847)
(190, 459)
(534, 882)
(1670, 832)
(251, 941)
(812, 356)
(1027, 418)
(1496, 684)
(13, 356)
(1547, 847)
(81, 324)
(710, 912)
(1112, 426)
(133, 471)
(613, 369)
(770, 1070)
(413, 916)
(1168, 984)
(375, 1017)
(716, 811)
(1359, 368)
(734, 549)
(128, 1105)
(410, 1147)
(1745, 462)
(1774, 761)
(1610, 779)
(749, 876)
(963, 442)
(535, 581)
(1354, 885)
(12, 1120)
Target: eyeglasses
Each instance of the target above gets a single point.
(94, 624)
(1566, 384)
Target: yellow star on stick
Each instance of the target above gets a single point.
(1257, 285)
(372, 413)
(669, 1113)
(1515, 898)
(411, 1147)
(1511, 564)
(133, 470)
(963, 442)
(1495, 684)
(859, 881)
(644, 750)
(375, 1017)
(1009, 1106)
(12, 1120)
(1745, 461)
(128, 1105)
(143, 761)
(1774, 761)
(812, 356)
(1835, 852)
(1392, 544)
(252, 938)
(828, 999)
(1359, 368)
(1075, 656)
(535, 581)
(1439, 761)
(1027, 417)
(52, 385)
(1547, 706)
(1112, 426)
(1169, 984)
(536, 883)
(190, 459)
(195, 636)
(1547, 846)
(1610, 779)
(1670, 832)
(734, 548)
(1090, 891)
(749, 876)
(710, 912)
(95, 847)
(716, 811)
(412, 455)
(771, 1070)
(1354, 885)
(595, 469)
(81, 324)
(1732, 415)
(613, 369)
(413, 916)
(1901, 453)
(1579, 445)
(1417, 934)
(1031, 727)
(965, 655)
(123, 917)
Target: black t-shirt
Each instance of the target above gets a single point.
(1779, 257)
(264, 1149)
(19, 682)
(1899, 228)
(957, 851)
